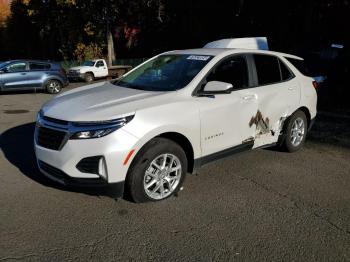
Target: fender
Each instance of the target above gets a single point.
(169, 129)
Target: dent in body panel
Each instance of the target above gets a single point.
(266, 132)
(262, 125)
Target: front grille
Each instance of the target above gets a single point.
(50, 138)
(53, 171)
(89, 165)
(73, 73)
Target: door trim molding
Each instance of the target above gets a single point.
(199, 162)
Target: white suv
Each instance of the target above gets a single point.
(171, 115)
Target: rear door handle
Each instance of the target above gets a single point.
(291, 88)
(23, 74)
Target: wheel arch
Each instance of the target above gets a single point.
(307, 113)
(47, 80)
(89, 72)
(52, 78)
(179, 139)
(185, 144)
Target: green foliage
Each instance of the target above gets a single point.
(85, 52)
(70, 29)
(53, 29)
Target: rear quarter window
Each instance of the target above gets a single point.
(286, 74)
(299, 64)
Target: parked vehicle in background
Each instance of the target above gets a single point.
(31, 74)
(94, 69)
(172, 114)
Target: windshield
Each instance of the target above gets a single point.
(165, 73)
(4, 64)
(89, 63)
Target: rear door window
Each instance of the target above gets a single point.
(39, 66)
(268, 70)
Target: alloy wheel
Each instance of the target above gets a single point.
(162, 176)
(54, 87)
(297, 132)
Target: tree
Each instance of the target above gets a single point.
(4, 11)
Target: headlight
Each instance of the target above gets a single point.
(39, 116)
(87, 130)
(92, 134)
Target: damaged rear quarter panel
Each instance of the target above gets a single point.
(275, 103)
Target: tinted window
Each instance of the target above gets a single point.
(299, 64)
(38, 66)
(285, 71)
(233, 71)
(89, 63)
(16, 67)
(99, 63)
(267, 68)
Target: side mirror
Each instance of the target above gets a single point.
(217, 87)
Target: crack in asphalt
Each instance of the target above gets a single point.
(297, 204)
(93, 244)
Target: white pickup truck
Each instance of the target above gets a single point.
(97, 68)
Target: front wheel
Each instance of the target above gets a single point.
(53, 86)
(295, 132)
(89, 77)
(157, 172)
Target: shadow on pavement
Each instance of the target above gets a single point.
(18, 147)
(20, 92)
(333, 129)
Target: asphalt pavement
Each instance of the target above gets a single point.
(262, 205)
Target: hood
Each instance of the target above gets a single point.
(102, 101)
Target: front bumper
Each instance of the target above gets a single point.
(62, 178)
(61, 165)
(114, 189)
(75, 76)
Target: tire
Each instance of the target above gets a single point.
(53, 86)
(295, 132)
(89, 77)
(144, 174)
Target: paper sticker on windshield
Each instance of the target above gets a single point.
(198, 57)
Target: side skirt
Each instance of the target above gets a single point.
(199, 162)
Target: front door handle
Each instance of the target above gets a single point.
(290, 88)
(23, 74)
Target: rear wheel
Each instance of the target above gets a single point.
(53, 86)
(157, 172)
(295, 132)
(89, 77)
